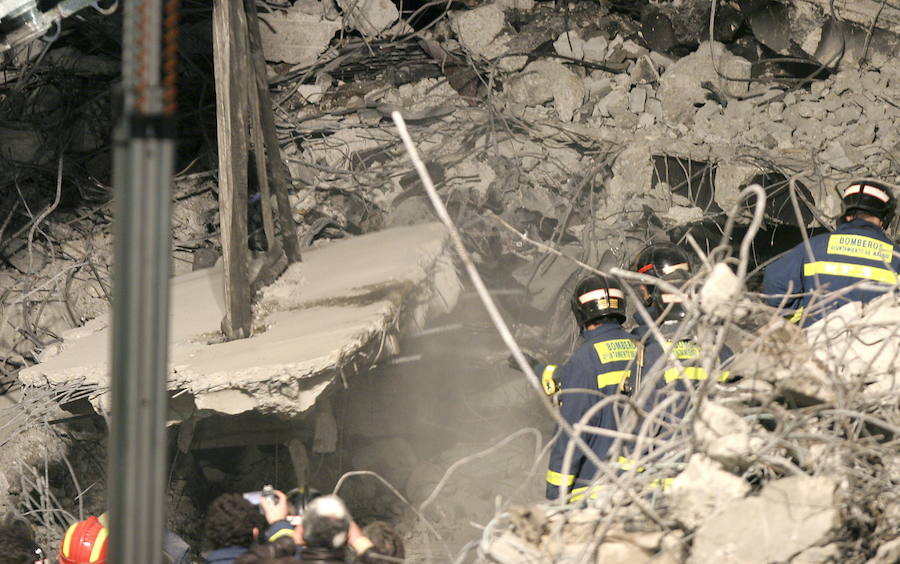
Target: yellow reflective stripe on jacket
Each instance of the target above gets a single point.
(860, 246)
(580, 493)
(686, 373)
(281, 533)
(798, 315)
(548, 381)
(685, 350)
(627, 464)
(613, 378)
(615, 350)
(725, 375)
(851, 270)
(557, 479)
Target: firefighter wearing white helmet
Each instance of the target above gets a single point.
(857, 259)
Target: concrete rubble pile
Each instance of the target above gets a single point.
(795, 461)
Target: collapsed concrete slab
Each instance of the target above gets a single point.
(789, 516)
(325, 318)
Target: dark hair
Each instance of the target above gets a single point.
(386, 540)
(17, 544)
(282, 547)
(230, 521)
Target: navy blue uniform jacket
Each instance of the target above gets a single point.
(601, 364)
(857, 251)
(689, 375)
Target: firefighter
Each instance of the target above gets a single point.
(674, 364)
(602, 366)
(858, 251)
(657, 260)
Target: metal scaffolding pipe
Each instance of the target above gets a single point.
(143, 170)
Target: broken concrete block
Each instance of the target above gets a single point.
(369, 17)
(835, 156)
(719, 291)
(482, 32)
(863, 133)
(787, 517)
(521, 5)
(296, 36)
(570, 44)
(644, 71)
(818, 555)
(701, 490)
(724, 436)
(637, 99)
(547, 80)
(594, 49)
(681, 85)
(888, 553)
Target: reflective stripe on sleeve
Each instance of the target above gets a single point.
(281, 533)
(687, 373)
(850, 270)
(798, 315)
(548, 381)
(613, 378)
(557, 479)
(724, 376)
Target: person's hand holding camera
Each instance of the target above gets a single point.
(275, 509)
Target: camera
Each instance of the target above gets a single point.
(267, 494)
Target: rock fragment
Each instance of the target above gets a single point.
(369, 17)
(682, 84)
(787, 517)
(300, 34)
(703, 489)
(545, 80)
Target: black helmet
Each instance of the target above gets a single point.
(869, 197)
(659, 260)
(598, 296)
(668, 302)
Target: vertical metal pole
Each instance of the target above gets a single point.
(143, 169)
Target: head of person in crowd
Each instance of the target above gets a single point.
(598, 299)
(326, 523)
(869, 200)
(665, 261)
(232, 521)
(386, 541)
(17, 544)
(85, 542)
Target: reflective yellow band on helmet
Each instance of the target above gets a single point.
(551, 386)
(99, 544)
(851, 270)
(557, 479)
(67, 540)
(281, 533)
(686, 373)
(613, 378)
(798, 315)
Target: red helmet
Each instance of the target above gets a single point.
(85, 543)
